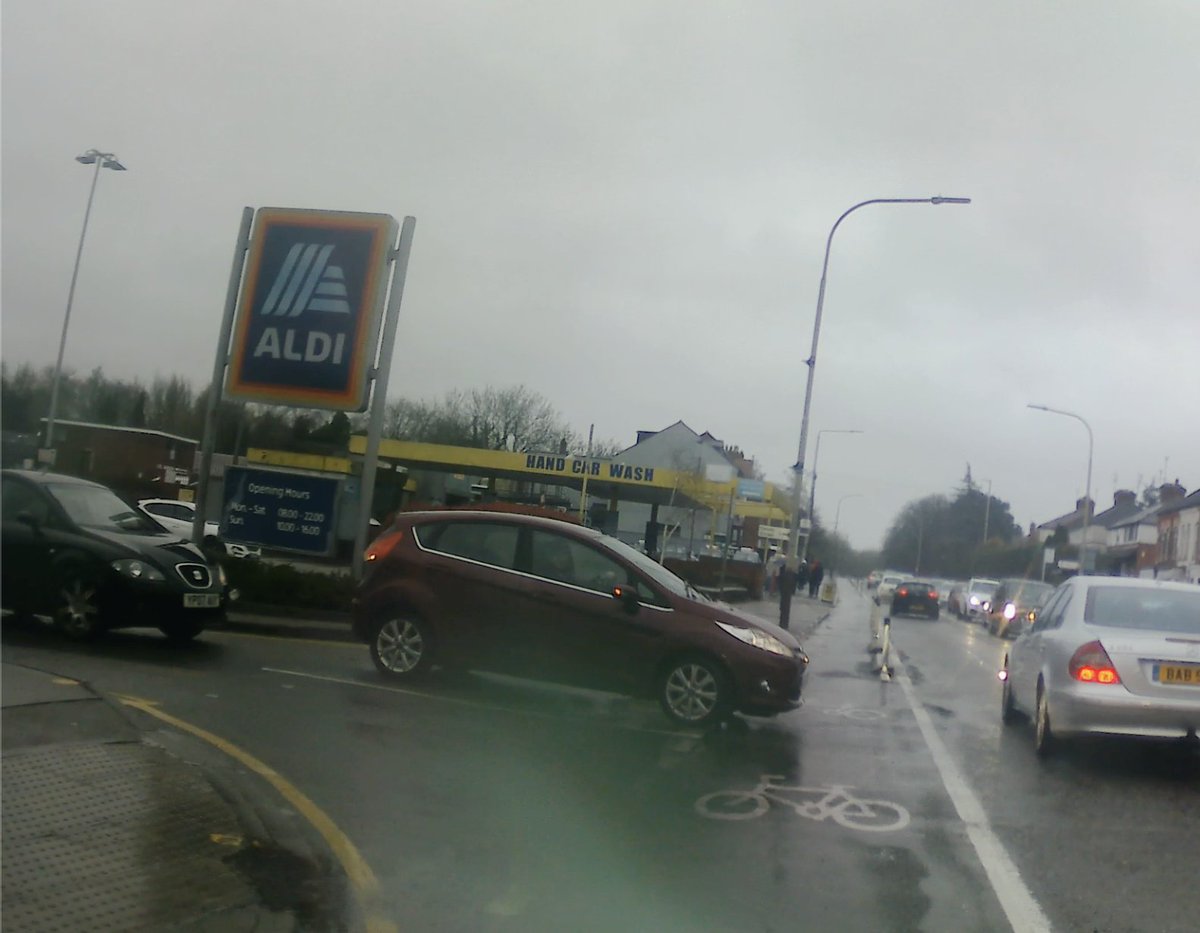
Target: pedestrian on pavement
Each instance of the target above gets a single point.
(787, 587)
(802, 577)
(816, 574)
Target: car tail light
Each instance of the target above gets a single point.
(1092, 665)
(933, 594)
(903, 591)
(382, 546)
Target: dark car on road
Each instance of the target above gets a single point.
(74, 550)
(548, 600)
(1010, 609)
(916, 597)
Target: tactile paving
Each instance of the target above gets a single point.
(112, 837)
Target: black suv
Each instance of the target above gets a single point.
(74, 550)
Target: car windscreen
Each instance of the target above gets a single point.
(100, 508)
(1144, 608)
(1033, 595)
(655, 571)
(984, 589)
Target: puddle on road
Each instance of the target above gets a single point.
(308, 887)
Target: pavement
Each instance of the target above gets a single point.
(153, 832)
(149, 838)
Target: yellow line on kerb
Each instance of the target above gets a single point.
(366, 885)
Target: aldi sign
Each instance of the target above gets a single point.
(309, 313)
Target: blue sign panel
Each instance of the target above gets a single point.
(280, 510)
(309, 311)
(751, 489)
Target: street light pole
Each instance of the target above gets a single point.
(812, 483)
(987, 510)
(838, 514)
(811, 362)
(1087, 494)
(100, 160)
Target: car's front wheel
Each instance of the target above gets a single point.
(695, 691)
(402, 646)
(77, 612)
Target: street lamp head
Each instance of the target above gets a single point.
(114, 165)
(939, 199)
(87, 158)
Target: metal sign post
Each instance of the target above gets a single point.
(382, 371)
(209, 440)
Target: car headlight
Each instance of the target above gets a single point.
(758, 638)
(1010, 611)
(974, 600)
(222, 576)
(138, 570)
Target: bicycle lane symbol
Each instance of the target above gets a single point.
(833, 801)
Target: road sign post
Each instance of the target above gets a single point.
(382, 370)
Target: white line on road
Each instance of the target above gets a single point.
(477, 705)
(1023, 912)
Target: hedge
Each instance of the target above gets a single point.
(266, 585)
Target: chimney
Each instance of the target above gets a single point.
(1124, 497)
(1081, 504)
(1171, 492)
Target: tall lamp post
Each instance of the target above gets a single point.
(1087, 494)
(812, 483)
(987, 509)
(811, 362)
(99, 160)
(838, 514)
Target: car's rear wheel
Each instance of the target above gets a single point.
(77, 612)
(402, 646)
(695, 691)
(1044, 740)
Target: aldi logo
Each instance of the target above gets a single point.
(309, 312)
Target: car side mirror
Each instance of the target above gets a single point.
(627, 597)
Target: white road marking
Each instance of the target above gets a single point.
(1018, 903)
(476, 705)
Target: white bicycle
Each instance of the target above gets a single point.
(834, 802)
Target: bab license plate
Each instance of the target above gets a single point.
(1180, 674)
(201, 600)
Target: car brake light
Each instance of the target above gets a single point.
(382, 546)
(933, 594)
(1092, 665)
(903, 591)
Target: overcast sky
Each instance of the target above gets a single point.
(624, 205)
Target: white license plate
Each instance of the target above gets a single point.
(201, 600)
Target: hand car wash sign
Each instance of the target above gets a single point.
(310, 307)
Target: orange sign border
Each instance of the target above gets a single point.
(369, 315)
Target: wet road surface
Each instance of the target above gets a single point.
(484, 803)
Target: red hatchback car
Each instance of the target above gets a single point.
(548, 600)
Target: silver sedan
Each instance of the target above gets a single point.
(1111, 656)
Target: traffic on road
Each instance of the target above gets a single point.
(919, 803)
